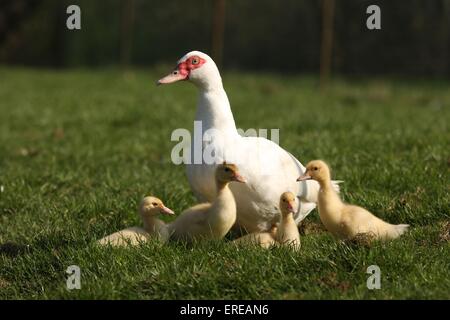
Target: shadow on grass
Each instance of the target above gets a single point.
(56, 241)
(13, 249)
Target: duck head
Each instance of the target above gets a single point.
(287, 203)
(152, 206)
(227, 172)
(196, 67)
(316, 170)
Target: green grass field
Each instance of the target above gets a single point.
(79, 149)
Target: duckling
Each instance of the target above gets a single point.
(210, 220)
(149, 208)
(346, 221)
(263, 239)
(287, 233)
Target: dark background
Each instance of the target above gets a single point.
(268, 35)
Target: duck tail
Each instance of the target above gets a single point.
(335, 184)
(397, 230)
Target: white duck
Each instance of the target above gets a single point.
(346, 221)
(149, 208)
(267, 167)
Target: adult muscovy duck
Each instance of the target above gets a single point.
(268, 169)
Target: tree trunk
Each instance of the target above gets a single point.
(445, 26)
(58, 45)
(218, 29)
(326, 50)
(126, 34)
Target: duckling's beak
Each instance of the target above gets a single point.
(238, 178)
(290, 207)
(304, 177)
(165, 210)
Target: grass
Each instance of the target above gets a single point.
(78, 150)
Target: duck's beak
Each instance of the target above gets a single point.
(239, 178)
(304, 177)
(172, 77)
(290, 207)
(180, 73)
(165, 210)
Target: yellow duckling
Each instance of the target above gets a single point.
(346, 221)
(287, 233)
(210, 220)
(149, 208)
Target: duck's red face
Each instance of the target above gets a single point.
(183, 70)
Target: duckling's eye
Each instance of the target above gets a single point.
(227, 170)
(315, 168)
(154, 204)
(175, 72)
(194, 61)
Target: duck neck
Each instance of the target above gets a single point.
(329, 203)
(222, 187)
(224, 200)
(325, 185)
(214, 109)
(287, 218)
(149, 222)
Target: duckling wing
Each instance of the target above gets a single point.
(131, 236)
(263, 239)
(359, 220)
(190, 222)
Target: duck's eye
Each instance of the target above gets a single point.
(194, 61)
(154, 204)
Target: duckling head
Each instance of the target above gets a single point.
(287, 203)
(316, 170)
(227, 172)
(152, 206)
